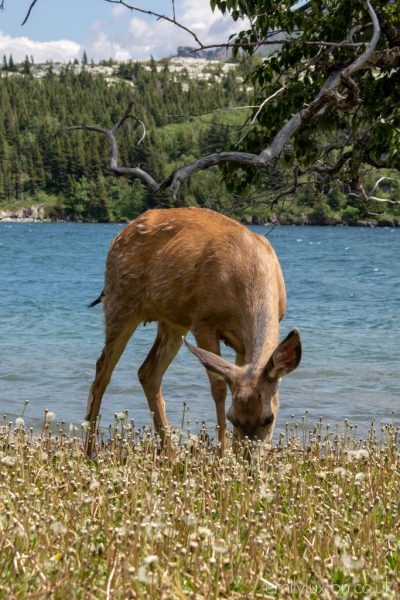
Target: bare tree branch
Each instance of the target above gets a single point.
(331, 170)
(369, 197)
(263, 103)
(208, 112)
(327, 95)
(291, 41)
(29, 12)
(159, 16)
(378, 183)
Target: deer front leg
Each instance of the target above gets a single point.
(208, 340)
(117, 336)
(164, 350)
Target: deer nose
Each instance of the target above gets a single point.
(248, 429)
(268, 420)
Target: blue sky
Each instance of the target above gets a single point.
(61, 29)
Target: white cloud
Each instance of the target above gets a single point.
(101, 47)
(119, 11)
(130, 35)
(140, 37)
(57, 51)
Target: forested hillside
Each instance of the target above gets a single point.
(42, 162)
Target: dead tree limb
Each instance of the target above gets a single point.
(158, 16)
(28, 14)
(326, 96)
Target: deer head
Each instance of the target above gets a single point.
(254, 390)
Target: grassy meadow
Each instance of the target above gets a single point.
(315, 516)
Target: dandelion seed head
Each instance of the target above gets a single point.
(9, 461)
(142, 575)
(58, 528)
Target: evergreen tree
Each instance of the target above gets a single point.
(26, 67)
(11, 66)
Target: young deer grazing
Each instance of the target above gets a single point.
(194, 270)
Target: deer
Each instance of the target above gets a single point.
(195, 270)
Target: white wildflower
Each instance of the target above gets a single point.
(266, 493)
(357, 454)
(85, 425)
(336, 490)
(19, 422)
(204, 532)
(122, 531)
(19, 530)
(359, 476)
(9, 461)
(174, 439)
(190, 519)
(351, 562)
(340, 542)
(142, 575)
(151, 559)
(220, 549)
(190, 483)
(72, 428)
(340, 471)
(58, 528)
(50, 416)
(322, 474)
(362, 453)
(193, 441)
(122, 415)
(94, 485)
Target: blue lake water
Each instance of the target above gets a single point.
(343, 288)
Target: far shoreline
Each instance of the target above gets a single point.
(36, 213)
(284, 220)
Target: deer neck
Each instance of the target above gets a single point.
(260, 334)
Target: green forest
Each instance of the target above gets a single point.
(186, 116)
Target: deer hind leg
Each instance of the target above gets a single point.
(118, 332)
(162, 353)
(208, 340)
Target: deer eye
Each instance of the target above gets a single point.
(268, 421)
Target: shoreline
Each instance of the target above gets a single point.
(287, 220)
(36, 213)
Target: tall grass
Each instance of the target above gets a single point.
(316, 516)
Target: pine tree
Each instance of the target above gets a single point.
(11, 66)
(26, 66)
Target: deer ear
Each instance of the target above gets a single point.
(286, 357)
(214, 363)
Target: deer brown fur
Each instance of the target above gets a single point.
(195, 270)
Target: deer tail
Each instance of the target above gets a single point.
(97, 301)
